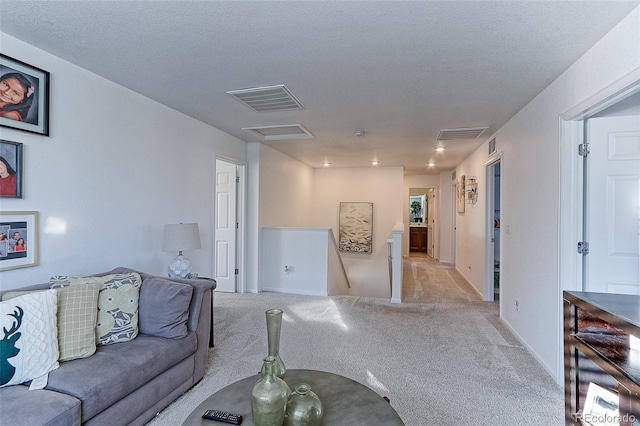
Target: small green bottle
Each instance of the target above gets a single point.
(303, 408)
(269, 397)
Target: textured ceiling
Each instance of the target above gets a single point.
(401, 71)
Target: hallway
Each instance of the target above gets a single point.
(427, 281)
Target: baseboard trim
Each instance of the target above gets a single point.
(470, 284)
(293, 291)
(533, 353)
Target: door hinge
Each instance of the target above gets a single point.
(583, 149)
(583, 247)
(237, 225)
(237, 179)
(237, 271)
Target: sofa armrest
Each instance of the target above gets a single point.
(200, 315)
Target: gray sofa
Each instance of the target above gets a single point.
(125, 383)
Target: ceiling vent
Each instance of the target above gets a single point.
(462, 133)
(267, 98)
(276, 133)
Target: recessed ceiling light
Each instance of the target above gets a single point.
(440, 149)
(326, 164)
(375, 163)
(431, 164)
(360, 133)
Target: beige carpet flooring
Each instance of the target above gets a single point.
(443, 357)
(427, 281)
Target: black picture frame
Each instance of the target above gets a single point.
(31, 112)
(11, 165)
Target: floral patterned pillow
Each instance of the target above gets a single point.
(117, 304)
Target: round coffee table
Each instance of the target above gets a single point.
(344, 401)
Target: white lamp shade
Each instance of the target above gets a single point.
(181, 236)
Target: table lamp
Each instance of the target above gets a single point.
(179, 237)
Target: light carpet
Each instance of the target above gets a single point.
(450, 361)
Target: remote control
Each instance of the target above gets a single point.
(221, 416)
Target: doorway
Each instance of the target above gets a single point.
(422, 221)
(611, 201)
(493, 240)
(228, 227)
(576, 263)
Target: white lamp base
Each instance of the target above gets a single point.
(179, 267)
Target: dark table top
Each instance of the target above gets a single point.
(622, 310)
(344, 401)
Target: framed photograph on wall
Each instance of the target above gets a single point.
(10, 169)
(356, 227)
(24, 96)
(18, 239)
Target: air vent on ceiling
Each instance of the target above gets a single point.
(275, 133)
(462, 133)
(267, 98)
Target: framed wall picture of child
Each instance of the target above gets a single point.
(24, 96)
(10, 169)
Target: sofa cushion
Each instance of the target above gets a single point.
(115, 371)
(47, 407)
(29, 350)
(117, 304)
(77, 313)
(164, 307)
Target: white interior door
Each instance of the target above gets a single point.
(225, 228)
(613, 205)
(454, 216)
(431, 209)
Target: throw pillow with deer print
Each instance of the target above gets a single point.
(28, 339)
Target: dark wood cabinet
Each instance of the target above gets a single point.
(418, 238)
(598, 350)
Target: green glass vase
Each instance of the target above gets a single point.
(274, 324)
(303, 408)
(269, 397)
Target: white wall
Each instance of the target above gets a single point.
(530, 143)
(286, 193)
(446, 254)
(383, 186)
(280, 191)
(301, 261)
(286, 190)
(470, 225)
(116, 168)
